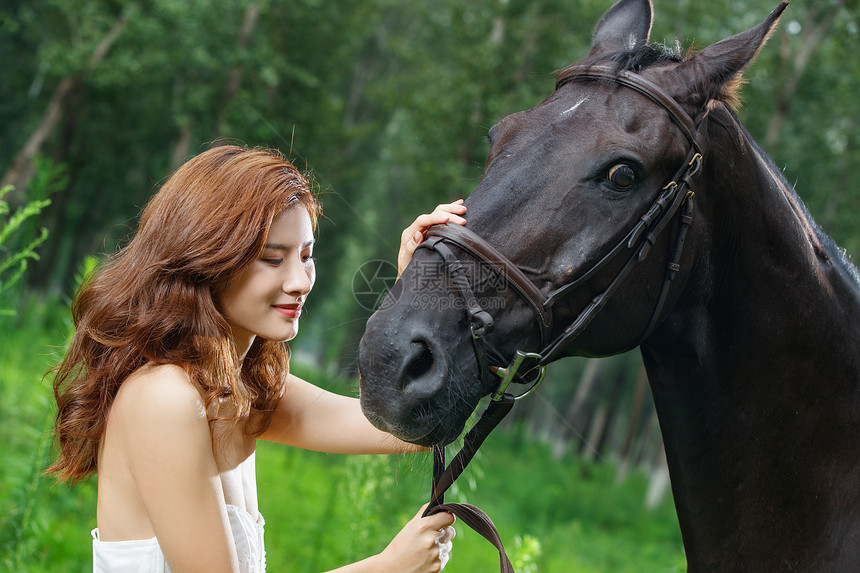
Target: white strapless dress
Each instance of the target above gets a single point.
(145, 556)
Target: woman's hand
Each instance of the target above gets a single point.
(413, 235)
(422, 546)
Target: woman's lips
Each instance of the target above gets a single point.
(289, 310)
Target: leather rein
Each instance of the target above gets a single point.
(528, 368)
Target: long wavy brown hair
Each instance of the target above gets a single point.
(154, 301)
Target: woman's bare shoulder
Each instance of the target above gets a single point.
(159, 394)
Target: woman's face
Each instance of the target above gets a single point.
(266, 298)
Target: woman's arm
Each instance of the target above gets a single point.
(312, 418)
(315, 419)
(159, 422)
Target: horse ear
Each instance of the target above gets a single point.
(715, 73)
(624, 27)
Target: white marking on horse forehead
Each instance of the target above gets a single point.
(573, 109)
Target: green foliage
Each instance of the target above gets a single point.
(14, 263)
(525, 554)
(35, 515)
(20, 235)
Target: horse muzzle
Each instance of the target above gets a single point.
(406, 383)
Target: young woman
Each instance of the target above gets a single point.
(177, 367)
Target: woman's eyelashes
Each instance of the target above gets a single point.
(279, 260)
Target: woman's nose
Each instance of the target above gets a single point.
(299, 279)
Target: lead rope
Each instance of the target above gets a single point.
(444, 476)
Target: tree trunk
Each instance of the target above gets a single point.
(814, 30)
(633, 423)
(601, 430)
(179, 153)
(234, 78)
(658, 482)
(497, 35)
(21, 171)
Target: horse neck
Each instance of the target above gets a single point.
(761, 266)
(755, 371)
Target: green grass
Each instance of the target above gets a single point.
(564, 516)
(40, 522)
(323, 511)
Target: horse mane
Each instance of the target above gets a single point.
(823, 245)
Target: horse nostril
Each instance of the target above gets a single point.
(419, 362)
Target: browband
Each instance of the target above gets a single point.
(645, 87)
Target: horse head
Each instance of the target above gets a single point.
(577, 240)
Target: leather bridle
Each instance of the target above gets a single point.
(529, 367)
(676, 197)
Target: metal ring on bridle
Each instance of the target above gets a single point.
(507, 374)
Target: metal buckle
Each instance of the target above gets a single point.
(671, 187)
(508, 374)
(697, 160)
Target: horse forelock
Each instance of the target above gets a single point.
(644, 57)
(635, 60)
(648, 56)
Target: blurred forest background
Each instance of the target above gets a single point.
(387, 103)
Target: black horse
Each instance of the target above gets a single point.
(746, 314)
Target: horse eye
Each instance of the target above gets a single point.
(622, 175)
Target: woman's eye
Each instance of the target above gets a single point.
(309, 259)
(622, 175)
(273, 262)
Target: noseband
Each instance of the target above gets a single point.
(529, 367)
(675, 197)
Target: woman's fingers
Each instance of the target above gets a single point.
(413, 235)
